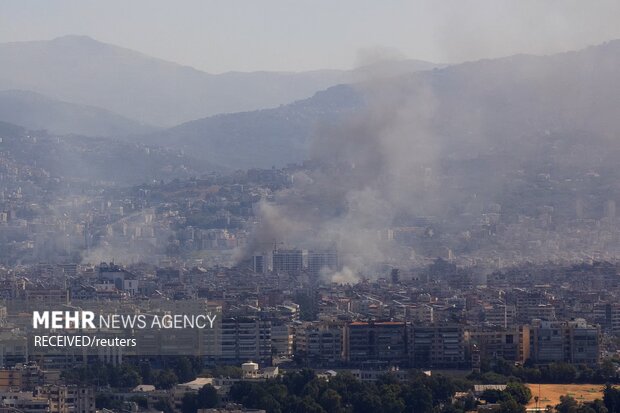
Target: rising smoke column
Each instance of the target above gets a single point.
(375, 165)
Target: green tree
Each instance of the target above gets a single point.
(227, 371)
(331, 401)
(189, 403)
(184, 370)
(128, 377)
(391, 400)
(510, 405)
(164, 405)
(442, 388)
(520, 392)
(239, 390)
(491, 395)
(207, 397)
(418, 399)
(147, 373)
(567, 405)
(347, 387)
(106, 401)
(270, 404)
(598, 406)
(606, 371)
(165, 379)
(312, 389)
(296, 382)
(561, 373)
(368, 402)
(309, 405)
(611, 398)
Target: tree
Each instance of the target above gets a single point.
(598, 406)
(312, 389)
(520, 392)
(347, 386)
(105, 401)
(567, 405)
(606, 371)
(296, 382)
(331, 401)
(611, 398)
(368, 402)
(452, 408)
(469, 403)
(164, 405)
(442, 388)
(387, 378)
(184, 370)
(418, 399)
(561, 373)
(308, 405)
(503, 367)
(391, 400)
(166, 379)
(207, 397)
(270, 404)
(128, 377)
(510, 405)
(491, 395)
(147, 373)
(233, 372)
(239, 389)
(188, 403)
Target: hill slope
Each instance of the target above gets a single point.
(36, 111)
(469, 109)
(27, 155)
(264, 138)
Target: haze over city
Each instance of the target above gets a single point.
(309, 206)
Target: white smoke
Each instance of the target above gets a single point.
(374, 166)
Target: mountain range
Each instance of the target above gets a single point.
(474, 108)
(76, 85)
(151, 91)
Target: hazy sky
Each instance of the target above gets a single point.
(218, 36)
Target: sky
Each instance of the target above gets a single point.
(299, 35)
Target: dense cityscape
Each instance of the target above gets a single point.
(457, 304)
(402, 236)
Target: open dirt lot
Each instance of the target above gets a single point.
(550, 393)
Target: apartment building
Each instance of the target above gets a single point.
(572, 341)
(375, 341)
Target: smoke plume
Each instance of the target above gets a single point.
(374, 166)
